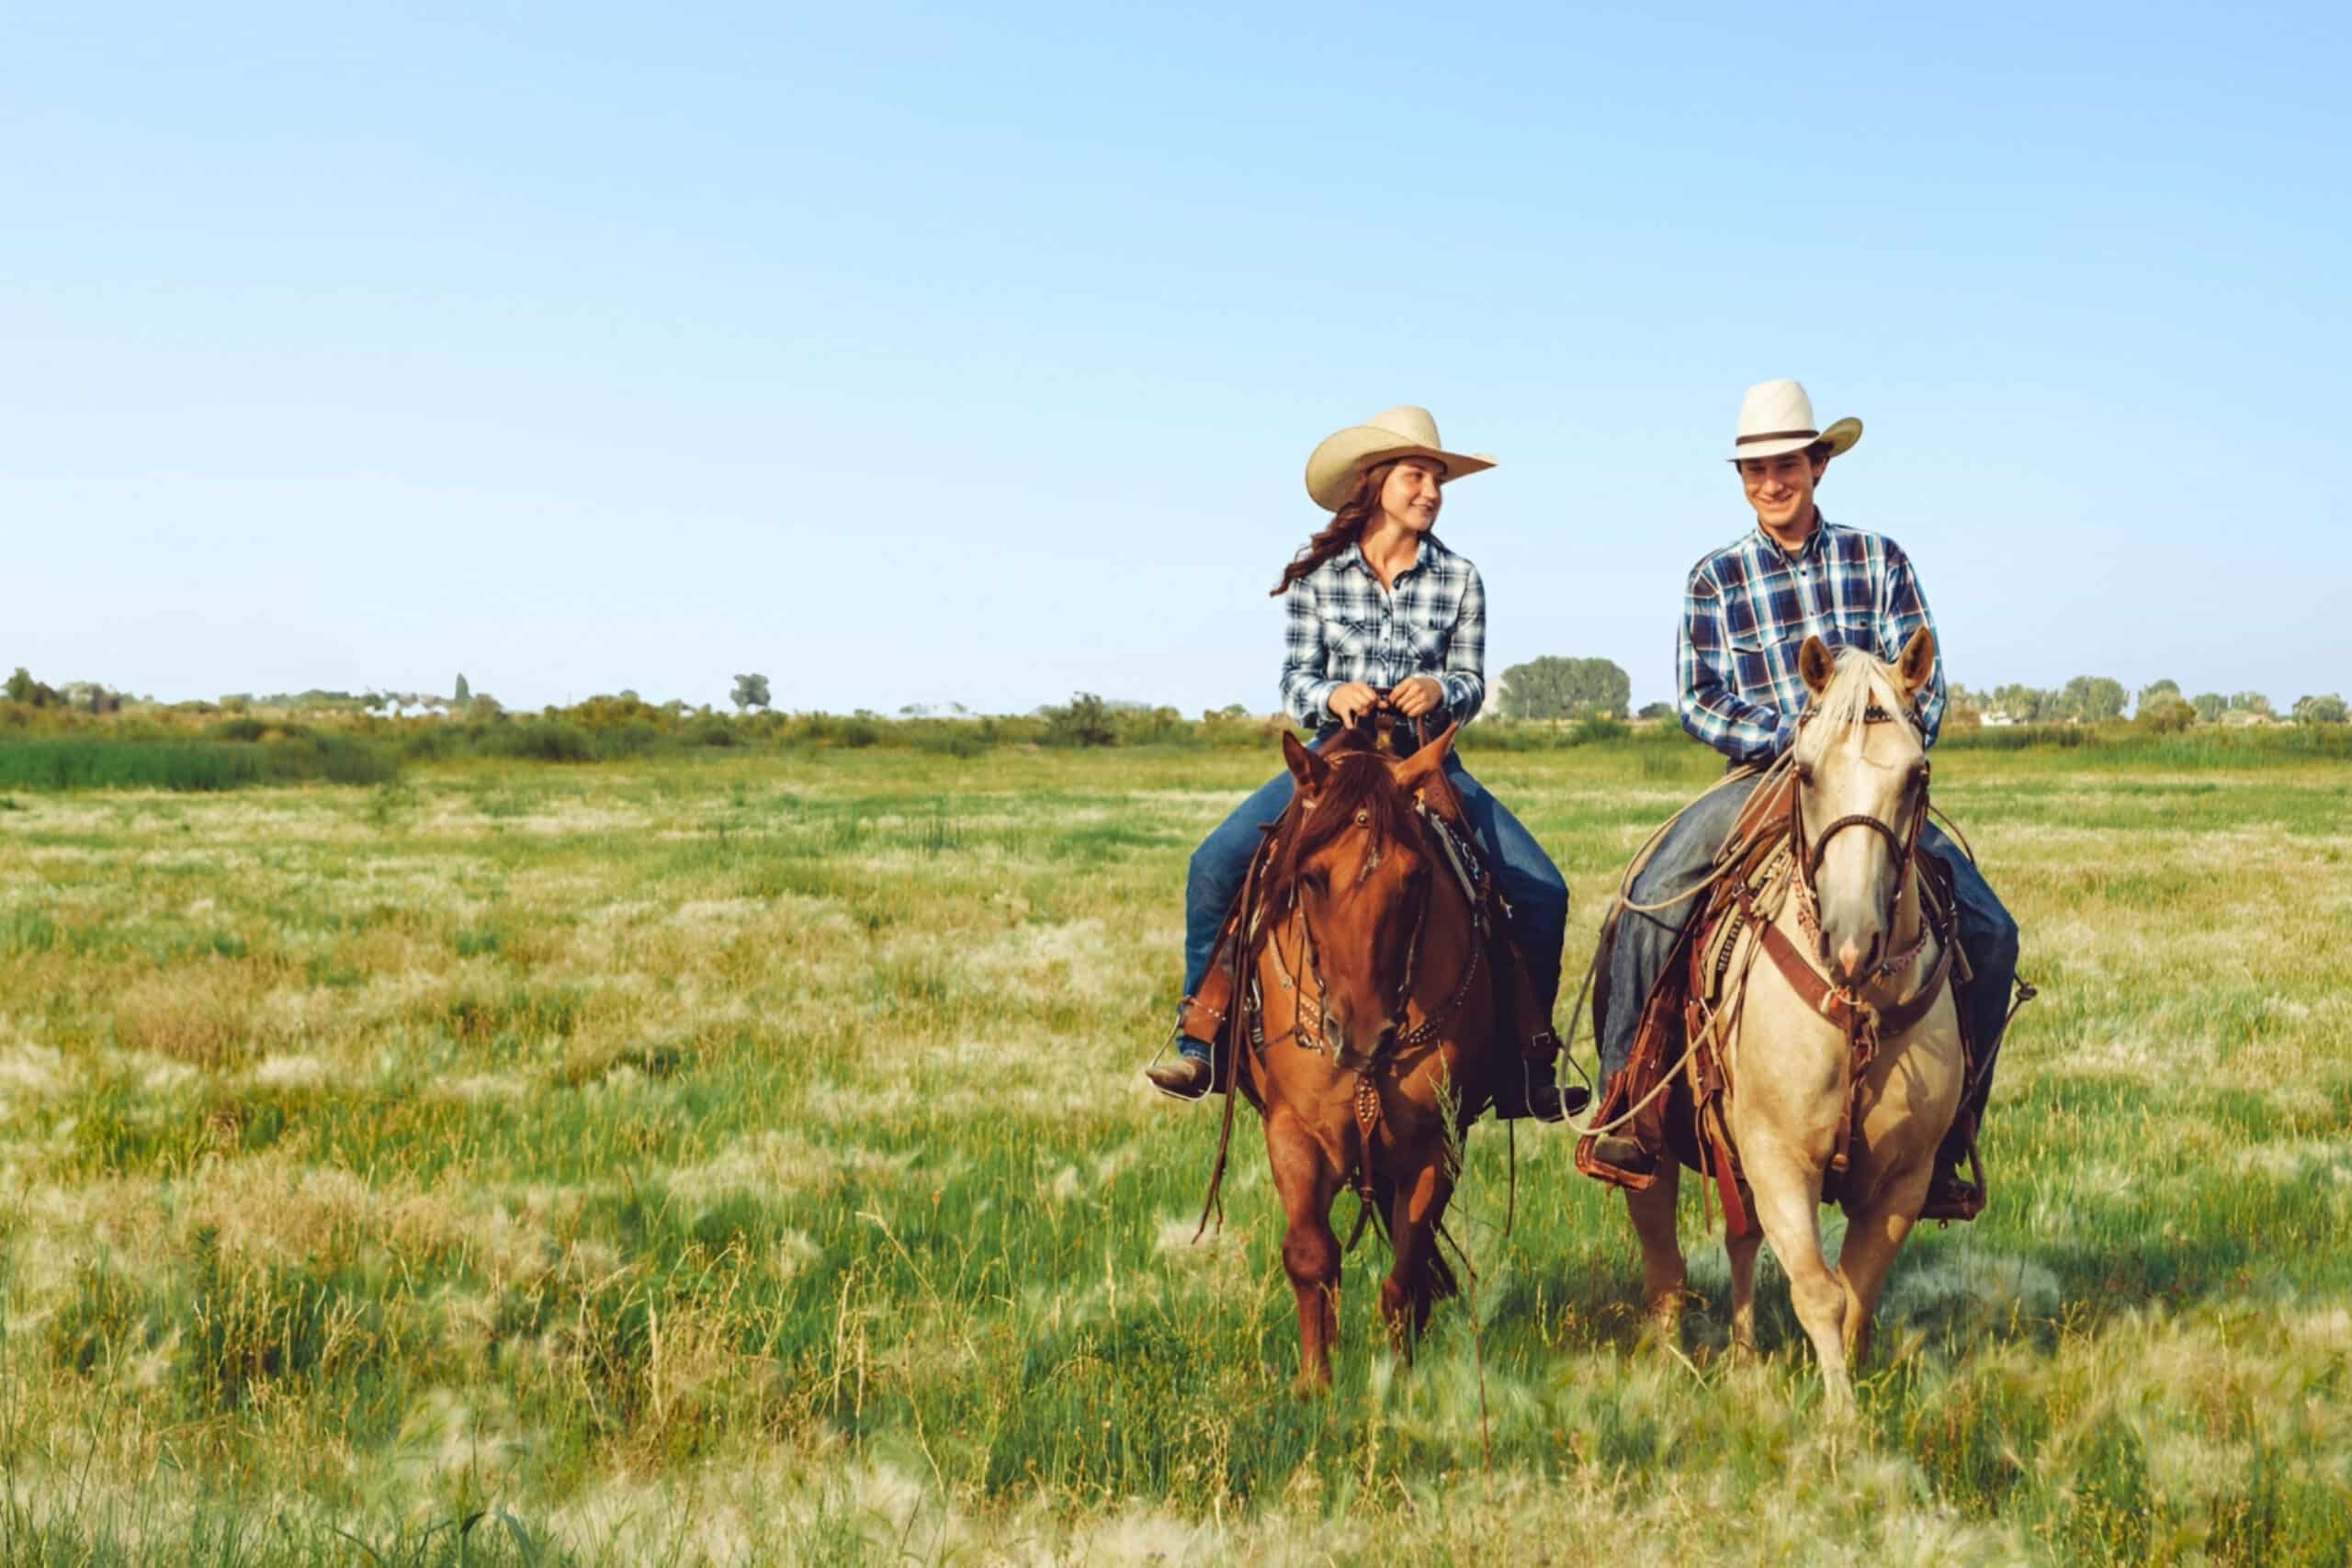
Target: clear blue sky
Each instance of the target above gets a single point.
(911, 355)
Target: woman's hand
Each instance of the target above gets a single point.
(1415, 696)
(1352, 700)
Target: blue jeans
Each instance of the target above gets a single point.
(1538, 894)
(1684, 859)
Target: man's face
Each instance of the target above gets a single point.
(1780, 488)
(1411, 495)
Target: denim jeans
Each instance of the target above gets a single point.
(1538, 894)
(1684, 859)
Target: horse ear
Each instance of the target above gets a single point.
(1305, 767)
(1415, 770)
(1918, 664)
(1816, 665)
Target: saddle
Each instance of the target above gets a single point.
(1527, 1023)
(1692, 1012)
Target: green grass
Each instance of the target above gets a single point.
(739, 1156)
(110, 761)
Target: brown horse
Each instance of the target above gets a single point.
(1376, 1043)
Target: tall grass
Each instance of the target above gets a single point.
(738, 1156)
(108, 762)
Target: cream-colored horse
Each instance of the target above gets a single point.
(1858, 755)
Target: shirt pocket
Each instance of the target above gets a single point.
(1752, 667)
(1350, 639)
(1427, 647)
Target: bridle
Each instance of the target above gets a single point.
(1436, 840)
(1312, 1035)
(1903, 846)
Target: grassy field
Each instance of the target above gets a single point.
(743, 1159)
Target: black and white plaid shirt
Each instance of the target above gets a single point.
(1342, 626)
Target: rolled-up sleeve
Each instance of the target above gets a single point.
(1306, 683)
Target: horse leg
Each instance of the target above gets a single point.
(1664, 1277)
(1742, 1250)
(1872, 1238)
(1788, 1201)
(1414, 1211)
(1306, 1183)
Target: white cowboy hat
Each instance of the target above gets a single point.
(1776, 417)
(1401, 432)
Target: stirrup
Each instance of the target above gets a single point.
(1616, 1149)
(1186, 1077)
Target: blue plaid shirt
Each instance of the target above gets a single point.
(1342, 626)
(1747, 611)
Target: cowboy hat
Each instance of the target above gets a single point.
(1776, 417)
(1401, 432)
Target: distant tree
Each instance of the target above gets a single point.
(2154, 689)
(2164, 712)
(236, 702)
(2026, 705)
(484, 706)
(2209, 706)
(751, 692)
(464, 693)
(1656, 710)
(2324, 709)
(2093, 699)
(1084, 720)
(23, 688)
(2250, 702)
(1554, 687)
(628, 695)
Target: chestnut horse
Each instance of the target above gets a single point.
(1375, 1042)
(1871, 957)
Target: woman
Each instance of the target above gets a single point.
(1375, 603)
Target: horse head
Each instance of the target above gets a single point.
(1861, 762)
(1358, 869)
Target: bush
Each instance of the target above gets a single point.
(1084, 720)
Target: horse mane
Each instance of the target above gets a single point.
(1359, 780)
(1855, 688)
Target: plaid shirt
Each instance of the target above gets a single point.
(1747, 611)
(1342, 626)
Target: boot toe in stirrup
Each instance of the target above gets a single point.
(1186, 1077)
(1612, 1149)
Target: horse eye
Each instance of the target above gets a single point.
(1363, 819)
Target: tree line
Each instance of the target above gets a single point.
(1553, 688)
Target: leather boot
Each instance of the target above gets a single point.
(1186, 1077)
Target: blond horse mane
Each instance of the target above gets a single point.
(1859, 682)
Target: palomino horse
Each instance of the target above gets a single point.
(1876, 966)
(1375, 1043)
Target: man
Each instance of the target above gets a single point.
(1745, 612)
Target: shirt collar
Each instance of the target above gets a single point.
(1429, 554)
(1770, 548)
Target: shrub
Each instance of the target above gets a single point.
(1084, 720)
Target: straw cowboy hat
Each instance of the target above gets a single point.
(1776, 417)
(1401, 432)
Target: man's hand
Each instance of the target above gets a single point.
(1415, 696)
(1351, 700)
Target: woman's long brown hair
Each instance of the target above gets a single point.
(1344, 529)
